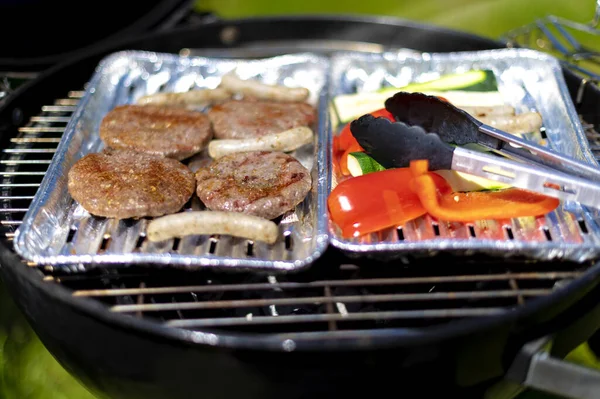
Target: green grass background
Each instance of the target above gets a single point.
(489, 18)
(28, 371)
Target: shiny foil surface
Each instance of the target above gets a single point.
(529, 81)
(58, 231)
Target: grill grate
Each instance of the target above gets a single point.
(574, 43)
(327, 297)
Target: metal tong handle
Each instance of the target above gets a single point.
(542, 155)
(529, 177)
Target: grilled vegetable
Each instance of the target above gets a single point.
(351, 106)
(212, 222)
(472, 89)
(473, 206)
(463, 182)
(474, 80)
(344, 144)
(375, 201)
(263, 91)
(285, 141)
(360, 164)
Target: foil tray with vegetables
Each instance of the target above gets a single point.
(412, 173)
(191, 162)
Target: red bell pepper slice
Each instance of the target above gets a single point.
(477, 205)
(371, 202)
(345, 143)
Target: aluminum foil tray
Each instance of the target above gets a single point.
(57, 231)
(528, 80)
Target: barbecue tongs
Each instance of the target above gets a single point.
(395, 144)
(456, 126)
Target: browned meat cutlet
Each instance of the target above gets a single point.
(259, 183)
(242, 119)
(156, 129)
(125, 184)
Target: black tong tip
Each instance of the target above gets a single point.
(434, 115)
(395, 144)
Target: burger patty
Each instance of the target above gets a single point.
(259, 183)
(161, 130)
(242, 119)
(125, 184)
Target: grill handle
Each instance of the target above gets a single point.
(538, 364)
(535, 368)
(556, 376)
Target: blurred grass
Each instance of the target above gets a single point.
(491, 18)
(28, 371)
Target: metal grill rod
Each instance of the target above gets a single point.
(549, 33)
(436, 296)
(379, 282)
(408, 314)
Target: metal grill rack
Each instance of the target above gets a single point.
(574, 43)
(331, 296)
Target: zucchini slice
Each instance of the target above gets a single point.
(463, 182)
(476, 87)
(475, 80)
(359, 163)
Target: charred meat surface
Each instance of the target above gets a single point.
(241, 119)
(124, 184)
(156, 129)
(259, 183)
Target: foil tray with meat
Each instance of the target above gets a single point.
(191, 162)
(385, 212)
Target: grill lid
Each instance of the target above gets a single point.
(30, 52)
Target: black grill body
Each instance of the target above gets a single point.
(136, 355)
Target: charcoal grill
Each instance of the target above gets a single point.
(471, 326)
